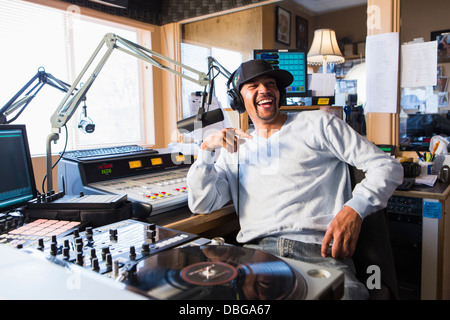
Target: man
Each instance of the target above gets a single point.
(289, 179)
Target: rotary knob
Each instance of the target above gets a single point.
(109, 261)
(145, 248)
(105, 252)
(113, 234)
(66, 253)
(80, 259)
(89, 233)
(53, 248)
(40, 244)
(93, 253)
(133, 252)
(94, 265)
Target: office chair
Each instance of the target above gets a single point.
(374, 248)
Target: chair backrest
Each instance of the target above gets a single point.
(374, 249)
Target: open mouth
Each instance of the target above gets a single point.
(265, 103)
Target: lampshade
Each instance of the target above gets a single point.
(324, 48)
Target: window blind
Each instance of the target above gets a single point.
(34, 36)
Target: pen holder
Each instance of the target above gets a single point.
(427, 168)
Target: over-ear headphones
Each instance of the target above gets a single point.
(236, 101)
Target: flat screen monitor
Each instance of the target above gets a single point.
(292, 60)
(17, 184)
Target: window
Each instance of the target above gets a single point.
(61, 41)
(197, 58)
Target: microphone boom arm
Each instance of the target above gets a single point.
(67, 107)
(13, 104)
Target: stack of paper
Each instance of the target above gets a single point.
(428, 180)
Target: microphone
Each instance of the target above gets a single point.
(203, 118)
(206, 119)
(87, 126)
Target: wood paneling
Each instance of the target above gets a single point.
(240, 31)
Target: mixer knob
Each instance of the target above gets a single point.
(105, 251)
(53, 249)
(151, 234)
(115, 268)
(133, 252)
(113, 234)
(95, 266)
(145, 248)
(40, 244)
(79, 259)
(89, 232)
(93, 253)
(108, 260)
(66, 254)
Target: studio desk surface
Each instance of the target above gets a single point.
(214, 224)
(439, 191)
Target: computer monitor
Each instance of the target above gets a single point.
(292, 60)
(17, 184)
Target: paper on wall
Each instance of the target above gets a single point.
(419, 64)
(382, 72)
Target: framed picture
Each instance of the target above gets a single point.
(442, 99)
(443, 39)
(283, 26)
(301, 33)
(442, 84)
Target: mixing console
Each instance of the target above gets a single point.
(107, 249)
(161, 190)
(155, 183)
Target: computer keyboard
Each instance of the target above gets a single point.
(99, 153)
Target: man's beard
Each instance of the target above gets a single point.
(273, 112)
(270, 116)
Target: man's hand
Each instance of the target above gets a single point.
(228, 138)
(344, 231)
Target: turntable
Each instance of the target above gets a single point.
(225, 272)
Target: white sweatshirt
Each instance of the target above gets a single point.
(293, 183)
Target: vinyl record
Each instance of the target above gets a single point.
(215, 272)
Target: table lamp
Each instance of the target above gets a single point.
(324, 49)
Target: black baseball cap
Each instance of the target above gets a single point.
(258, 67)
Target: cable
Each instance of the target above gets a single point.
(60, 156)
(238, 183)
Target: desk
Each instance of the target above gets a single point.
(218, 223)
(435, 268)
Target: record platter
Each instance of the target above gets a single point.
(225, 272)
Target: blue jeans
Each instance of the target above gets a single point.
(310, 253)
